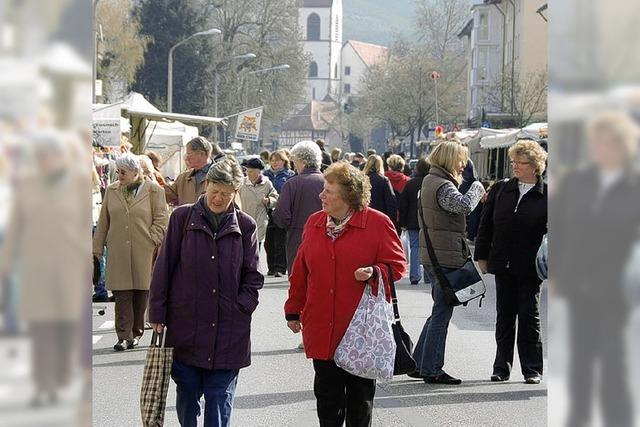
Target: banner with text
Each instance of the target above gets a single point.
(248, 124)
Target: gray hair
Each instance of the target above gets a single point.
(129, 162)
(200, 143)
(307, 152)
(226, 171)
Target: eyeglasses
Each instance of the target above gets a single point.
(519, 163)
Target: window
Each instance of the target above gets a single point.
(313, 69)
(347, 88)
(313, 27)
(337, 29)
(313, 93)
(517, 46)
(335, 71)
(483, 26)
(347, 71)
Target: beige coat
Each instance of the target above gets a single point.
(183, 190)
(46, 249)
(132, 234)
(251, 197)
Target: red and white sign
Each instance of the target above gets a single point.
(435, 75)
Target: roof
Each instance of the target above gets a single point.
(316, 115)
(466, 30)
(317, 3)
(370, 53)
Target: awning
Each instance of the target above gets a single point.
(170, 117)
(534, 131)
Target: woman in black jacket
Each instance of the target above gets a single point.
(409, 220)
(383, 198)
(513, 223)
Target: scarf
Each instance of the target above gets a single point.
(335, 230)
(129, 190)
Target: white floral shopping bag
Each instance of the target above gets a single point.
(368, 349)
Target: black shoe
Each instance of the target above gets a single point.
(277, 274)
(499, 378)
(96, 298)
(415, 282)
(270, 273)
(132, 344)
(120, 345)
(443, 378)
(533, 380)
(416, 374)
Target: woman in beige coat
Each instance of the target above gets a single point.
(132, 223)
(257, 196)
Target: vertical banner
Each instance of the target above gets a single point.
(248, 124)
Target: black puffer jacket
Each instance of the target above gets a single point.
(409, 203)
(507, 237)
(383, 198)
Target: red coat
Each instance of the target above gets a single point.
(324, 293)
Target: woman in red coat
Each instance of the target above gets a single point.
(340, 246)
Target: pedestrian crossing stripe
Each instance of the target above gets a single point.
(96, 338)
(109, 324)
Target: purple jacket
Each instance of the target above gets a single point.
(205, 287)
(298, 200)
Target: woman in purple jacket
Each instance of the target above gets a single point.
(204, 289)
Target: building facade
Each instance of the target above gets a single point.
(357, 58)
(507, 45)
(321, 29)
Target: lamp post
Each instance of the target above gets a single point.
(258, 72)
(170, 66)
(216, 77)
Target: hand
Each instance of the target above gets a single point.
(265, 201)
(484, 198)
(364, 273)
(295, 326)
(482, 263)
(158, 327)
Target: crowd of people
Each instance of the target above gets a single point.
(331, 222)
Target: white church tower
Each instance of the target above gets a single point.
(321, 23)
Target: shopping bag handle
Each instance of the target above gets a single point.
(157, 339)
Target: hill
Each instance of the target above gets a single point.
(376, 21)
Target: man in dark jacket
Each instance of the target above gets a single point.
(409, 220)
(326, 157)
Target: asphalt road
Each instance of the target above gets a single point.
(277, 389)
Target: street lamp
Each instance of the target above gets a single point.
(170, 67)
(258, 72)
(216, 77)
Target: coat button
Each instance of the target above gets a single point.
(209, 359)
(214, 291)
(192, 224)
(213, 325)
(213, 257)
(331, 290)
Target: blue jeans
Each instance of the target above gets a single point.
(429, 350)
(415, 268)
(100, 289)
(218, 387)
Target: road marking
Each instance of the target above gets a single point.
(109, 324)
(96, 338)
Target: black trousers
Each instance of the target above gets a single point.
(518, 298)
(598, 346)
(275, 245)
(341, 396)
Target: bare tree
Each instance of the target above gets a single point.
(529, 100)
(121, 45)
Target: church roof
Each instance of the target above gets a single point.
(316, 115)
(370, 53)
(317, 3)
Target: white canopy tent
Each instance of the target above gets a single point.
(533, 131)
(166, 138)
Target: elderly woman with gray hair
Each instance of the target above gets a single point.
(204, 290)
(132, 223)
(300, 195)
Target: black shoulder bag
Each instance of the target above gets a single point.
(461, 285)
(404, 363)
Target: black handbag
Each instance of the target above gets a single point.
(460, 285)
(404, 362)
